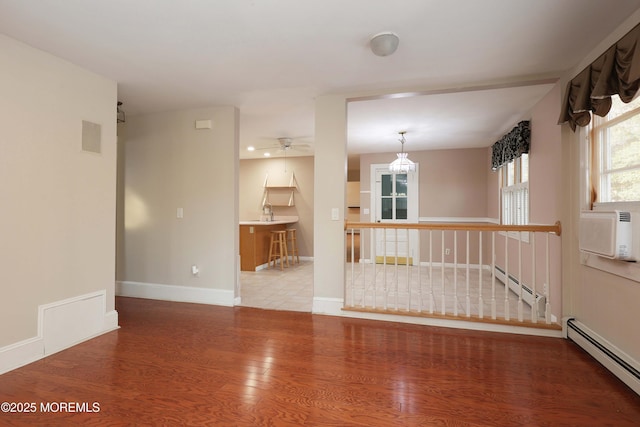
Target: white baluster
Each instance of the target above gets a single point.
(353, 266)
(419, 283)
(480, 297)
(408, 273)
(468, 297)
(395, 270)
(506, 273)
(385, 287)
(455, 272)
(431, 296)
(534, 307)
(547, 308)
(520, 278)
(442, 294)
(493, 278)
(374, 240)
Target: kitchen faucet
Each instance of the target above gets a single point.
(268, 210)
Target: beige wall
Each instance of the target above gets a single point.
(606, 303)
(330, 177)
(453, 185)
(452, 182)
(252, 177)
(58, 218)
(168, 164)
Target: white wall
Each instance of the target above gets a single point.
(58, 202)
(168, 164)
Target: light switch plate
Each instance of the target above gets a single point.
(335, 214)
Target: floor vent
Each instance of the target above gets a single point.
(619, 363)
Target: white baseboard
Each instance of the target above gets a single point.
(456, 324)
(175, 293)
(331, 306)
(611, 357)
(61, 324)
(266, 265)
(21, 353)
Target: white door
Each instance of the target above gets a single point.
(394, 200)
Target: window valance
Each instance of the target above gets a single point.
(511, 146)
(617, 71)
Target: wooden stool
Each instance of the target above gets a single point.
(292, 245)
(278, 249)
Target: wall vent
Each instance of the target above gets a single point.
(91, 137)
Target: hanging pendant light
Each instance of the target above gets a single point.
(402, 164)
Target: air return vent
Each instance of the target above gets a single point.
(91, 137)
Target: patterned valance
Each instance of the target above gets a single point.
(511, 146)
(617, 71)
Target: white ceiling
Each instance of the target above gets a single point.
(271, 58)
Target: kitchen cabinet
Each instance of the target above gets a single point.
(255, 237)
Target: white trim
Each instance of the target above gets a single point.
(266, 265)
(21, 353)
(59, 329)
(609, 363)
(175, 293)
(333, 307)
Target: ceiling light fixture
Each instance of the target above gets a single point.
(402, 164)
(385, 43)
(251, 148)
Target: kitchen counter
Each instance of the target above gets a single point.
(255, 236)
(276, 220)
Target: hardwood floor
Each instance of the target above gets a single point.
(189, 364)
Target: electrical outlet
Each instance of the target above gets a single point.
(545, 289)
(447, 251)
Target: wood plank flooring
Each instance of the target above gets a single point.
(189, 364)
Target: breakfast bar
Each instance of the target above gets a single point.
(255, 236)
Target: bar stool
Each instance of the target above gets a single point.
(292, 245)
(278, 248)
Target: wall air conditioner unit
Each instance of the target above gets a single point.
(607, 234)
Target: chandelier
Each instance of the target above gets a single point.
(402, 164)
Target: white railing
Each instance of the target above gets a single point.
(471, 271)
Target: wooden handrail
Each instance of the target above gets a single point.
(474, 226)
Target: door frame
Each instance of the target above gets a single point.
(413, 193)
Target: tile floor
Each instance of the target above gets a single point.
(421, 289)
(290, 289)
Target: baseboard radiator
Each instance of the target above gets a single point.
(615, 360)
(538, 303)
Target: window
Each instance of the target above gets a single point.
(515, 191)
(615, 154)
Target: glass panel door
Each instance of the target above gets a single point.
(393, 196)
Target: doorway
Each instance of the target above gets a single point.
(394, 199)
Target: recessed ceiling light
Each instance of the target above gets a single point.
(267, 154)
(251, 148)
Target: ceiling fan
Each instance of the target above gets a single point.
(288, 145)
